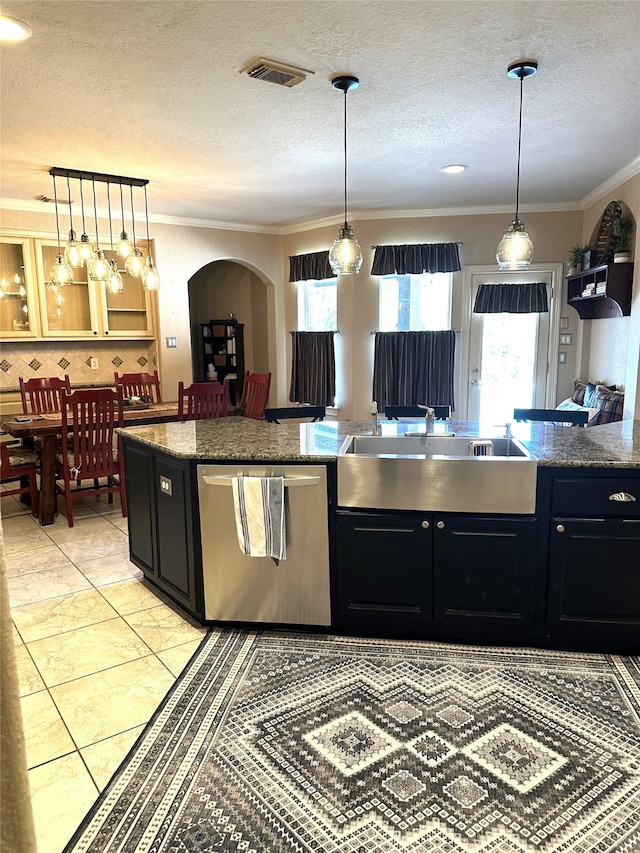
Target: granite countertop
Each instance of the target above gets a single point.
(233, 438)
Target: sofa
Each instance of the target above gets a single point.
(605, 403)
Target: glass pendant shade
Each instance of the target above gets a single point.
(99, 268)
(124, 247)
(72, 252)
(134, 263)
(345, 256)
(61, 272)
(150, 277)
(114, 284)
(86, 248)
(515, 250)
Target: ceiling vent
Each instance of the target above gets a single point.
(275, 72)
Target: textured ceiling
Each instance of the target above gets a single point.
(152, 90)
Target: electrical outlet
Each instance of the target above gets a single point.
(94, 364)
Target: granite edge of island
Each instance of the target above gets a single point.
(615, 445)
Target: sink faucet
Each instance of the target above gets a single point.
(374, 418)
(507, 431)
(429, 418)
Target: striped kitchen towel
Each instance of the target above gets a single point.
(258, 503)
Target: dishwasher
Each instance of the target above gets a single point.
(238, 588)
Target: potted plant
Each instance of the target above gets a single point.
(621, 230)
(575, 259)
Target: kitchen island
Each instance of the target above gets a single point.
(565, 575)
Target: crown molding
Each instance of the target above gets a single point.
(612, 183)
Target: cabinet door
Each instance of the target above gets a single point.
(18, 313)
(594, 574)
(128, 314)
(70, 310)
(384, 572)
(138, 463)
(485, 574)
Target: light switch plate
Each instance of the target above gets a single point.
(172, 342)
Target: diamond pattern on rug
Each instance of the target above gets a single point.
(273, 741)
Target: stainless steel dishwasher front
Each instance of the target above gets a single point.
(238, 588)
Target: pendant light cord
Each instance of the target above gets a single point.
(95, 213)
(84, 227)
(345, 156)
(109, 208)
(146, 213)
(521, 75)
(133, 218)
(55, 200)
(70, 211)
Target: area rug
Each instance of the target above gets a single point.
(272, 741)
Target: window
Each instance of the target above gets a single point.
(318, 305)
(415, 303)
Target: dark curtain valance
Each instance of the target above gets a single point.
(511, 299)
(413, 368)
(416, 259)
(312, 267)
(313, 368)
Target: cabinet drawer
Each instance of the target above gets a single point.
(591, 497)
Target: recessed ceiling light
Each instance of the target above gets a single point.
(453, 169)
(11, 29)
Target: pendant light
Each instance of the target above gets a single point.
(86, 247)
(150, 276)
(114, 283)
(515, 250)
(72, 253)
(135, 262)
(61, 272)
(123, 246)
(345, 256)
(98, 267)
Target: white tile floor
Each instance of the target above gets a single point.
(97, 650)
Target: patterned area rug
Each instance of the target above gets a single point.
(272, 741)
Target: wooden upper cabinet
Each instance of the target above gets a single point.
(18, 303)
(84, 309)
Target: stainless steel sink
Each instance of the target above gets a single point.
(437, 473)
(411, 444)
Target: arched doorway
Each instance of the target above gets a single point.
(228, 289)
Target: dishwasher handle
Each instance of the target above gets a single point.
(288, 481)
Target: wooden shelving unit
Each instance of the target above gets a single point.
(223, 348)
(611, 296)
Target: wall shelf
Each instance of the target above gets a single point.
(611, 293)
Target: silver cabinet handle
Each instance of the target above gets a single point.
(623, 497)
(560, 528)
(288, 481)
(425, 524)
(440, 525)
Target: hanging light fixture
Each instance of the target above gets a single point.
(86, 247)
(515, 250)
(123, 246)
(98, 267)
(72, 254)
(135, 262)
(150, 276)
(61, 272)
(345, 256)
(114, 283)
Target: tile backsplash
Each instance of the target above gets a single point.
(55, 358)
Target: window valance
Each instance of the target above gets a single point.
(416, 259)
(511, 299)
(311, 267)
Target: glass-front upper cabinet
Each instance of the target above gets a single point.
(18, 312)
(84, 308)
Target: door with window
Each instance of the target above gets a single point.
(511, 358)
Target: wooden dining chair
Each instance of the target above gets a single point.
(89, 421)
(202, 400)
(275, 415)
(395, 412)
(574, 417)
(19, 464)
(140, 385)
(42, 394)
(255, 395)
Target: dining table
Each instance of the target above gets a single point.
(47, 427)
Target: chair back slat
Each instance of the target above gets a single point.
(43, 393)
(140, 385)
(202, 400)
(89, 420)
(255, 395)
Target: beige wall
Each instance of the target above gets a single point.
(182, 251)
(612, 347)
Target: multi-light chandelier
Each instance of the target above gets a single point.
(83, 252)
(515, 250)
